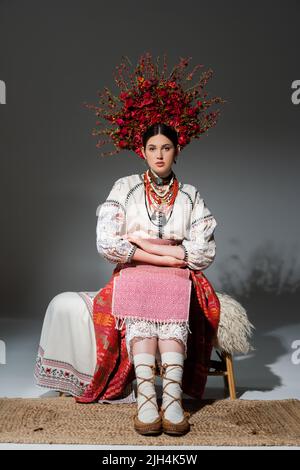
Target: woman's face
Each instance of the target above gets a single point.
(160, 149)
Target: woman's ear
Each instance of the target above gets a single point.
(143, 152)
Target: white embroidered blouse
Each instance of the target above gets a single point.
(126, 211)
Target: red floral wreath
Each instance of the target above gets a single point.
(149, 97)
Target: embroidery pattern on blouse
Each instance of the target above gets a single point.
(111, 226)
(200, 245)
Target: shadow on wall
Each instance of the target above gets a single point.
(268, 286)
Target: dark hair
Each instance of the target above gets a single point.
(160, 128)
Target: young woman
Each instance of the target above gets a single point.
(153, 220)
(158, 308)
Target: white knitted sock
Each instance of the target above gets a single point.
(148, 413)
(174, 412)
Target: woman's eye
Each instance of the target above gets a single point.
(165, 148)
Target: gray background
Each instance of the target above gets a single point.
(56, 55)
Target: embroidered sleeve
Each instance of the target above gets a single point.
(200, 245)
(111, 227)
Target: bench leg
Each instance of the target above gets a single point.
(230, 376)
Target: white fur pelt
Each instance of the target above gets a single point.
(235, 328)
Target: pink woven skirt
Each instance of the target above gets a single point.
(154, 293)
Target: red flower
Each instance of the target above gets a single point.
(129, 102)
(182, 140)
(123, 96)
(172, 84)
(147, 100)
(123, 131)
(147, 84)
(191, 111)
(123, 144)
(162, 92)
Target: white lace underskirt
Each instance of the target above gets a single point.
(137, 330)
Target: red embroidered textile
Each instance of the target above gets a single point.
(114, 371)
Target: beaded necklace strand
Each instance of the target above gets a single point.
(160, 202)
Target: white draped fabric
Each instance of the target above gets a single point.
(67, 351)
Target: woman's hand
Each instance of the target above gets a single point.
(173, 262)
(149, 253)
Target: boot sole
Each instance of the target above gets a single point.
(170, 428)
(145, 428)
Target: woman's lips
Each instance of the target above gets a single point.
(160, 163)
